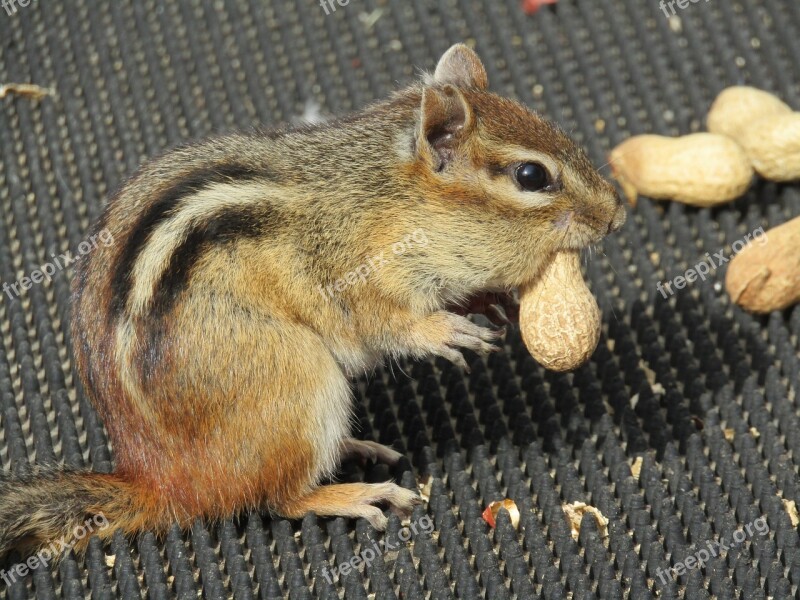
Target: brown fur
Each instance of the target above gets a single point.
(223, 380)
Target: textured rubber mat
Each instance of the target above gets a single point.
(683, 430)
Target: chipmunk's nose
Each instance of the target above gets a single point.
(620, 215)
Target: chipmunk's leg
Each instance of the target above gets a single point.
(444, 334)
(354, 500)
(304, 403)
(368, 450)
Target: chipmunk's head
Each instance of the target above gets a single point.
(491, 162)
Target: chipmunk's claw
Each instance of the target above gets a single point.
(496, 316)
(466, 334)
(446, 334)
(501, 308)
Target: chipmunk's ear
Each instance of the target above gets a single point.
(460, 66)
(446, 119)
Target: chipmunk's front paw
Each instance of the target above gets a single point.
(446, 333)
(490, 304)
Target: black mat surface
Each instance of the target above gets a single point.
(704, 394)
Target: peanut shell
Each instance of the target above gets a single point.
(559, 318)
(766, 276)
(702, 169)
(764, 126)
(739, 106)
(773, 145)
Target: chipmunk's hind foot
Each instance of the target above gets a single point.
(355, 500)
(368, 450)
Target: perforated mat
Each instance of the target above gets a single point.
(683, 430)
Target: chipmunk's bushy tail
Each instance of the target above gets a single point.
(59, 509)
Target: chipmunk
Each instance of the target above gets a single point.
(220, 371)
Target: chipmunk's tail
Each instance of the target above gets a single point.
(60, 509)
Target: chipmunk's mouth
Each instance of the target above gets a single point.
(582, 228)
(574, 232)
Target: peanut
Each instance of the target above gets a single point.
(766, 277)
(559, 318)
(765, 127)
(738, 106)
(701, 169)
(773, 145)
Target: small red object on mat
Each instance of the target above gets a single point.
(531, 6)
(490, 514)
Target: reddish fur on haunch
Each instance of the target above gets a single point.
(220, 368)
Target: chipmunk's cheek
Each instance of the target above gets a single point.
(564, 220)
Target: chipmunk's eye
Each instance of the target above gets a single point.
(532, 177)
